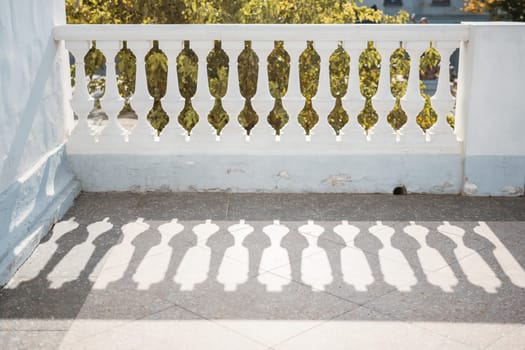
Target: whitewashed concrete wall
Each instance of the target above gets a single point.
(36, 185)
(494, 106)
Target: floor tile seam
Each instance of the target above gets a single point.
(414, 323)
(33, 330)
(80, 338)
(217, 323)
(315, 290)
(504, 336)
(353, 301)
(457, 261)
(228, 199)
(375, 253)
(447, 337)
(135, 259)
(259, 272)
(286, 264)
(124, 322)
(367, 305)
(319, 324)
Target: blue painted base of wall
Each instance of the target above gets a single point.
(494, 175)
(437, 173)
(30, 207)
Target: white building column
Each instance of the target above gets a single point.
(492, 111)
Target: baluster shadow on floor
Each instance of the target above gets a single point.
(275, 257)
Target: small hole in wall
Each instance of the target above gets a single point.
(400, 190)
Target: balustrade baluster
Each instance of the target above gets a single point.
(383, 101)
(111, 101)
(263, 100)
(323, 100)
(443, 101)
(203, 132)
(81, 101)
(172, 101)
(459, 118)
(233, 101)
(354, 101)
(412, 103)
(293, 132)
(141, 101)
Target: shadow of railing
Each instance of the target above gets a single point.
(114, 267)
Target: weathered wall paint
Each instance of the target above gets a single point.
(36, 184)
(439, 173)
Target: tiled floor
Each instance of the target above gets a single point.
(273, 271)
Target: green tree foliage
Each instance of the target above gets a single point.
(252, 11)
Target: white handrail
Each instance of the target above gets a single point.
(264, 32)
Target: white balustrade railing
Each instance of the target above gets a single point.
(143, 139)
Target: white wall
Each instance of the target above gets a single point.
(36, 185)
(495, 109)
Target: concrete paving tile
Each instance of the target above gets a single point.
(29, 340)
(183, 205)
(255, 207)
(104, 310)
(345, 272)
(509, 232)
(125, 261)
(34, 324)
(261, 255)
(366, 329)
(513, 340)
(171, 328)
(356, 275)
(122, 303)
(453, 208)
(475, 301)
(270, 332)
(467, 285)
(270, 317)
(251, 300)
(34, 300)
(515, 205)
(405, 245)
(88, 207)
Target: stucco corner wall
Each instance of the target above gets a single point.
(495, 110)
(36, 183)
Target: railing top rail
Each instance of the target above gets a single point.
(264, 32)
